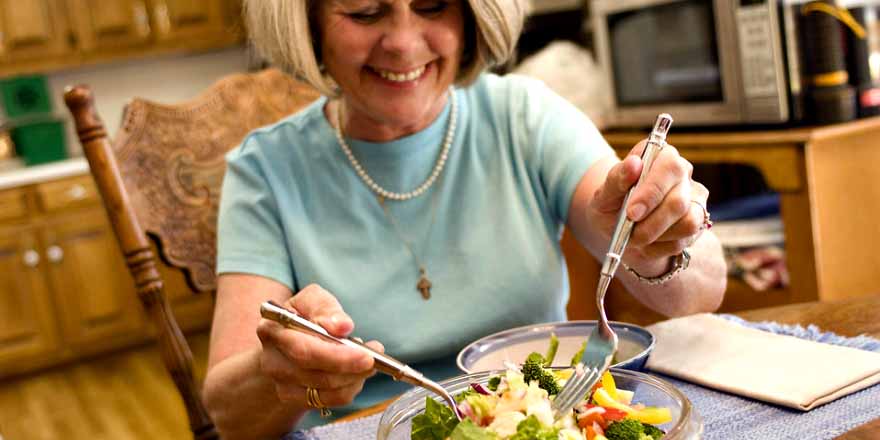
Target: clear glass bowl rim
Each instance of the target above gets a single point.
(411, 402)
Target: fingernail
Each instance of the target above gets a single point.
(328, 322)
(636, 212)
(337, 319)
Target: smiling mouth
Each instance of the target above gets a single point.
(400, 77)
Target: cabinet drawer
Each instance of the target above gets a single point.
(13, 205)
(68, 193)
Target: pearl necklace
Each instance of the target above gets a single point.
(438, 167)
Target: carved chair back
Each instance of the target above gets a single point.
(160, 177)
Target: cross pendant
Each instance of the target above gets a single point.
(424, 285)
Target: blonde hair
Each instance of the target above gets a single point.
(283, 31)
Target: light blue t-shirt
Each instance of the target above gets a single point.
(487, 231)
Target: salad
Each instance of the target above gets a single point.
(516, 405)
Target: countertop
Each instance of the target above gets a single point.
(20, 176)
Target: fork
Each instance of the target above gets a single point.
(602, 342)
(384, 363)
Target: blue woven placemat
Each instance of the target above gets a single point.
(725, 416)
(360, 429)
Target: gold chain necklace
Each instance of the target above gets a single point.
(424, 284)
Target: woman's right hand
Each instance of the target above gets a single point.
(296, 361)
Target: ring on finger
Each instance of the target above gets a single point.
(314, 400)
(707, 218)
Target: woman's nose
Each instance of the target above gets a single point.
(403, 36)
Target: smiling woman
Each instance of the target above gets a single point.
(420, 199)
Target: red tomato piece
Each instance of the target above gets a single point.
(613, 415)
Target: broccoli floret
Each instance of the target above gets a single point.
(653, 431)
(494, 382)
(533, 369)
(535, 357)
(626, 429)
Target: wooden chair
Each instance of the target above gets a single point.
(160, 177)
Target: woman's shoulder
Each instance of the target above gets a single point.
(503, 85)
(509, 90)
(283, 137)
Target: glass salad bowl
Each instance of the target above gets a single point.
(649, 390)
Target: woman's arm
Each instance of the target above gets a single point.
(670, 223)
(239, 397)
(258, 371)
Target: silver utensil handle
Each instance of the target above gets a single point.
(384, 363)
(624, 226)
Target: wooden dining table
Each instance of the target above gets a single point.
(847, 317)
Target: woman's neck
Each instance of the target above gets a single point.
(358, 125)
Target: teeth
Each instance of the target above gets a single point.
(401, 77)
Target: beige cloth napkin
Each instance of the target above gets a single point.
(710, 351)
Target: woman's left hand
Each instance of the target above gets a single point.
(668, 206)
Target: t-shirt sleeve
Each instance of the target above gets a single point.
(564, 143)
(250, 238)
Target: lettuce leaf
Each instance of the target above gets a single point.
(577, 356)
(467, 430)
(436, 423)
(551, 350)
(531, 429)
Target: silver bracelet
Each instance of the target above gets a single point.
(679, 264)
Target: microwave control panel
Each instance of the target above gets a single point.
(762, 70)
(757, 36)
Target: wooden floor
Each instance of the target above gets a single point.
(124, 396)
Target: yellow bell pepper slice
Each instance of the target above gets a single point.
(609, 385)
(602, 398)
(650, 414)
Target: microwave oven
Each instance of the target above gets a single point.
(706, 62)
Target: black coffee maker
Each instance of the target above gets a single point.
(838, 83)
(863, 59)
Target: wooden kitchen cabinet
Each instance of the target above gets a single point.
(178, 20)
(27, 318)
(45, 35)
(32, 30)
(65, 292)
(109, 25)
(90, 284)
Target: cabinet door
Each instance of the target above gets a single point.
(175, 19)
(32, 29)
(27, 326)
(98, 306)
(102, 25)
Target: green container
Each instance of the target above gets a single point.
(25, 95)
(40, 141)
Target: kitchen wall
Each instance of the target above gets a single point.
(165, 80)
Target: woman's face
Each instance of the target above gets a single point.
(393, 59)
